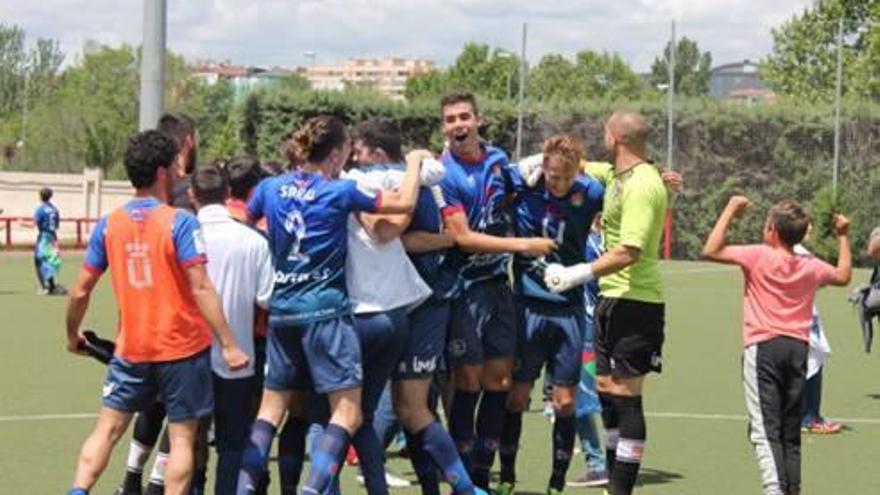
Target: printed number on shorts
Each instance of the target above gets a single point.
(295, 225)
(140, 272)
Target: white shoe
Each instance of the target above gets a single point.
(391, 480)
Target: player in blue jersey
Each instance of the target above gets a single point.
(561, 206)
(482, 335)
(46, 257)
(312, 344)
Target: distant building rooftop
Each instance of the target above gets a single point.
(739, 81)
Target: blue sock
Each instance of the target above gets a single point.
(423, 465)
(509, 446)
(78, 491)
(563, 444)
(327, 455)
(490, 425)
(371, 457)
(255, 457)
(439, 446)
(461, 423)
(291, 452)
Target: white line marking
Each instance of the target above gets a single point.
(742, 417)
(661, 415)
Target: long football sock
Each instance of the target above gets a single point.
(439, 446)
(371, 457)
(461, 425)
(255, 457)
(291, 453)
(611, 422)
(327, 454)
(509, 446)
(631, 445)
(423, 465)
(490, 424)
(563, 444)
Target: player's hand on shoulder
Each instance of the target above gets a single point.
(235, 358)
(432, 172)
(538, 246)
(530, 168)
(841, 224)
(738, 204)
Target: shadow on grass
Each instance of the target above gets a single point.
(651, 476)
(873, 396)
(10, 292)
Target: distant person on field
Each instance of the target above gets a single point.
(46, 254)
(780, 287)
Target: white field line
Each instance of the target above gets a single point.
(659, 415)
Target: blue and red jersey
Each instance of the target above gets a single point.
(306, 219)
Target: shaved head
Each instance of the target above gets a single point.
(629, 129)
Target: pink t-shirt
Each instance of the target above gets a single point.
(779, 291)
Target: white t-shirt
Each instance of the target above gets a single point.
(819, 346)
(240, 267)
(379, 276)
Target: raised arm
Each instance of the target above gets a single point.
(404, 200)
(716, 244)
(843, 270)
(209, 305)
(384, 228)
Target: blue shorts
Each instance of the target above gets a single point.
(382, 337)
(185, 386)
(549, 334)
(426, 341)
(323, 356)
(482, 324)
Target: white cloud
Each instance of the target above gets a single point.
(271, 32)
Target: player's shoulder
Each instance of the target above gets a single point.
(496, 154)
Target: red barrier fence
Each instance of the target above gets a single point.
(25, 226)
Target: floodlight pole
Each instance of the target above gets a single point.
(837, 105)
(670, 109)
(522, 96)
(152, 64)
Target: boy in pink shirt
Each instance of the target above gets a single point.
(780, 287)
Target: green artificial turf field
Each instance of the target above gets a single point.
(696, 424)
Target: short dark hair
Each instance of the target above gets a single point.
(244, 174)
(320, 135)
(45, 194)
(178, 126)
(790, 221)
(209, 185)
(382, 133)
(146, 152)
(459, 97)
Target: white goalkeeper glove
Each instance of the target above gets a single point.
(560, 278)
(530, 168)
(432, 172)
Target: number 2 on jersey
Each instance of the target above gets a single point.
(295, 225)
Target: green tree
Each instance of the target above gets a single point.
(493, 73)
(691, 68)
(592, 75)
(803, 62)
(12, 68)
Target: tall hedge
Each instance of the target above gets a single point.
(769, 152)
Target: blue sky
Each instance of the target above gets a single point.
(278, 32)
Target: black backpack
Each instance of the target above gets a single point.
(867, 302)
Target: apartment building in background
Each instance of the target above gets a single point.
(386, 75)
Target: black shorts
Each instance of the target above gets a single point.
(629, 337)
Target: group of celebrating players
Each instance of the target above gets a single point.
(375, 266)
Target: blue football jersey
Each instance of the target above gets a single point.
(567, 221)
(306, 217)
(46, 218)
(480, 190)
